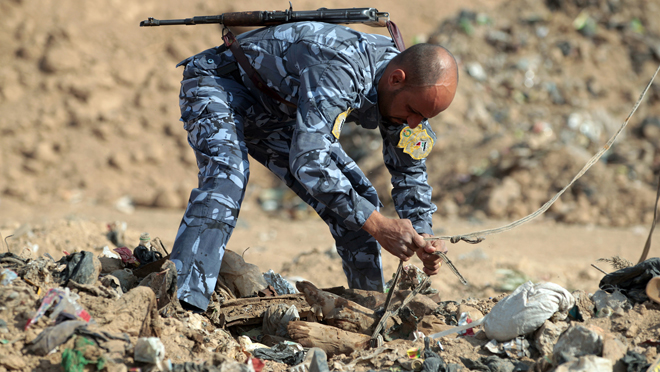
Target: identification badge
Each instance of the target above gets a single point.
(415, 142)
(339, 123)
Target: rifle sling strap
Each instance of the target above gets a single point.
(242, 60)
(396, 36)
(233, 45)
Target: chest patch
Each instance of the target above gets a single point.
(339, 123)
(415, 142)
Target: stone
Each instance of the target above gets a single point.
(575, 342)
(587, 363)
(546, 336)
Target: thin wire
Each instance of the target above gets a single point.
(478, 236)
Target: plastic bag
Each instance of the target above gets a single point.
(526, 309)
(281, 285)
(276, 319)
(243, 278)
(632, 280)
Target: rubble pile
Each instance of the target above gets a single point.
(544, 86)
(116, 309)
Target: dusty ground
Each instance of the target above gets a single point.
(89, 135)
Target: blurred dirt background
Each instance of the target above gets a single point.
(89, 135)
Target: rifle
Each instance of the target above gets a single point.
(368, 16)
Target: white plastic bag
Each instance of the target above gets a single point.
(526, 309)
(277, 317)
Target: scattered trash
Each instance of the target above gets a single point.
(465, 320)
(75, 359)
(516, 348)
(113, 283)
(149, 350)
(281, 285)
(319, 362)
(587, 363)
(7, 277)
(289, 353)
(526, 309)
(57, 301)
(126, 279)
(127, 256)
(414, 353)
(493, 363)
(243, 278)
(53, 336)
(144, 252)
(81, 267)
(248, 345)
(609, 303)
(277, 317)
(575, 342)
(653, 289)
(632, 280)
(108, 253)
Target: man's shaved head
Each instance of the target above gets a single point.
(425, 64)
(417, 84)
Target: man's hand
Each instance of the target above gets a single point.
(396, 236)
(431, 261)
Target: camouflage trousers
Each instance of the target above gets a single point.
(222, 137)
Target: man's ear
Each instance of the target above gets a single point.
(397, 78)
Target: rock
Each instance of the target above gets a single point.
(12, 362)
(126, 279)
(82, 267)
(422, 305)
(613, 348)
(587, 363)
(608, 303)
(475, 70)
(432, 324)
(503, 195)
(112, 283)
(134, 313)
(546, 336)
(109, 264)
(575, 342)
(584, 304)
(168, 198)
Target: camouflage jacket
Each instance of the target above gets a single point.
(331, 72)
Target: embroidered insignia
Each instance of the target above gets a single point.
(339, 123)
(415, 142)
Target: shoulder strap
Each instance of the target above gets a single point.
(242, 60)
(396, 36)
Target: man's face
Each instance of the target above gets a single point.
(411, 105)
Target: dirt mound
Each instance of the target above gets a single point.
(79, 312)
(543, 86)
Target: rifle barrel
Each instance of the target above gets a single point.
(369, 16)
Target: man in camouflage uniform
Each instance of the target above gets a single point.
(333, 74)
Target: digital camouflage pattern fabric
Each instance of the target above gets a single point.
(331, 72)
